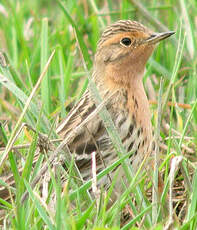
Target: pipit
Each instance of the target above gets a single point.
(119, 65)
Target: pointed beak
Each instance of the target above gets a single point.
(157, 37)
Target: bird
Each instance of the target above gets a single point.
(119, 65)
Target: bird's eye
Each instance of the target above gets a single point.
(152, 35)
(126, 41)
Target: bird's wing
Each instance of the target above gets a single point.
(74, 118)
(82, 115)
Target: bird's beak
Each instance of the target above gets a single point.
(157, 37)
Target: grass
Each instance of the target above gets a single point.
(38, 94)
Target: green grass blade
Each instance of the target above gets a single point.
(45, 85)
(42, 211)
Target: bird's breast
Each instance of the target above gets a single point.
(135, 130)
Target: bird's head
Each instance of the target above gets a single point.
(124, 49)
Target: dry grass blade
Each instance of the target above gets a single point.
(95, 190)
(174, 167)
(181, 105)
(156, 160)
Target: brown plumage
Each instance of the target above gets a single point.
(119, 65)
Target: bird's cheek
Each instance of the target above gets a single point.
(141, 55)
(106, 57)
(148, 51)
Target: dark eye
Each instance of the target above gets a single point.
(126, 41)
(152, 35)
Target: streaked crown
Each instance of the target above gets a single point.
(122, 26)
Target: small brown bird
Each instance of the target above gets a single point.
(119, 65)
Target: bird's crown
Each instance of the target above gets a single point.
(122, 26)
